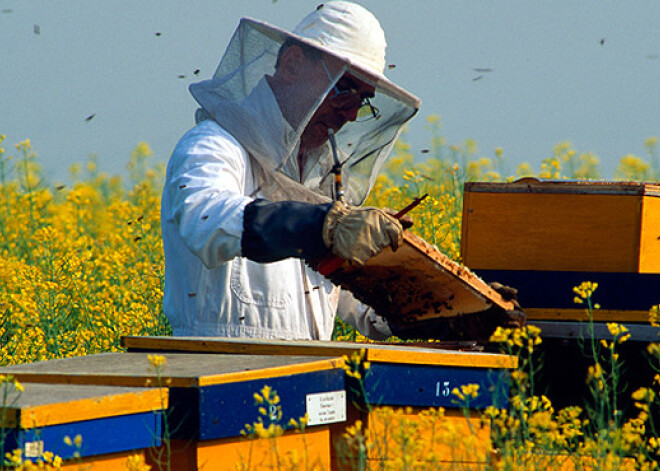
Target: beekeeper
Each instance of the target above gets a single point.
(249, 190)
(250, 195)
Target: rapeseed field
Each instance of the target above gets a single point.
(81, 265)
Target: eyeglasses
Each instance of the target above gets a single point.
(350, 99)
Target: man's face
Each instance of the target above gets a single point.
(339, 106)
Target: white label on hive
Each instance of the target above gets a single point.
(34, 449)
(326, 407)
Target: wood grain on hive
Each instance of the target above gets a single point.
(212, 396)
(112, 422)
(412, 380)
(430, 354)
(417, 282)
(203, 387)
(181, 370)
(546, 237)
(562, 226)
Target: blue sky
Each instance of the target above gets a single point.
(583, 71)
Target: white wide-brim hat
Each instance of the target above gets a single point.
(348, 32)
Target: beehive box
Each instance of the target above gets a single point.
(562, 226)
(113, 422)
(401, 386)
(211, 399)
(545, 237)
(416, 282)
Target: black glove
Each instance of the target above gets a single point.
(274, 231)
(478, 326)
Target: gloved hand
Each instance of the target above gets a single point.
(358, 233)
(477, 326)
(515, 317)
(405, 220)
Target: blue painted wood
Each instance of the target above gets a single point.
(554, 289)
(99, 436)
(223, 410)
(395, 384)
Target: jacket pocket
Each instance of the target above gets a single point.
(265, 284)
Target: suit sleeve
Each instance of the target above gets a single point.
(205, 189)
(362, 317)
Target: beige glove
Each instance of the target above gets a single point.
(357, 233)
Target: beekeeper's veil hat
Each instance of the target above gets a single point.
(338, 38)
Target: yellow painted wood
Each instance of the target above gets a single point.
(239, 345)
(180, 370)
(536, 231)
(448, 437)
(387, 353)
(446, 358)
(40, 405)
(599, 315)
(311, 450)
(420, 436)
(575, 187)
(110, 462)
(649, 261)
(94, 408)
(272, 372)
(311, 447)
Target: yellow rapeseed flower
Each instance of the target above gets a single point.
(651, 142)
(466, 391)
(618, 331)
(586, 289)
(136, 463)
(500, 335)
(632, 168)
(353, 430)
(654, 349)
(654, 315)
(157, 361)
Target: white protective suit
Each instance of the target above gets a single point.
(240, 151)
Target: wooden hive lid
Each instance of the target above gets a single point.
(431, 353)
(535, 185)
(181, 369)
(41, 405)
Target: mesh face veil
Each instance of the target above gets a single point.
(283, 124)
